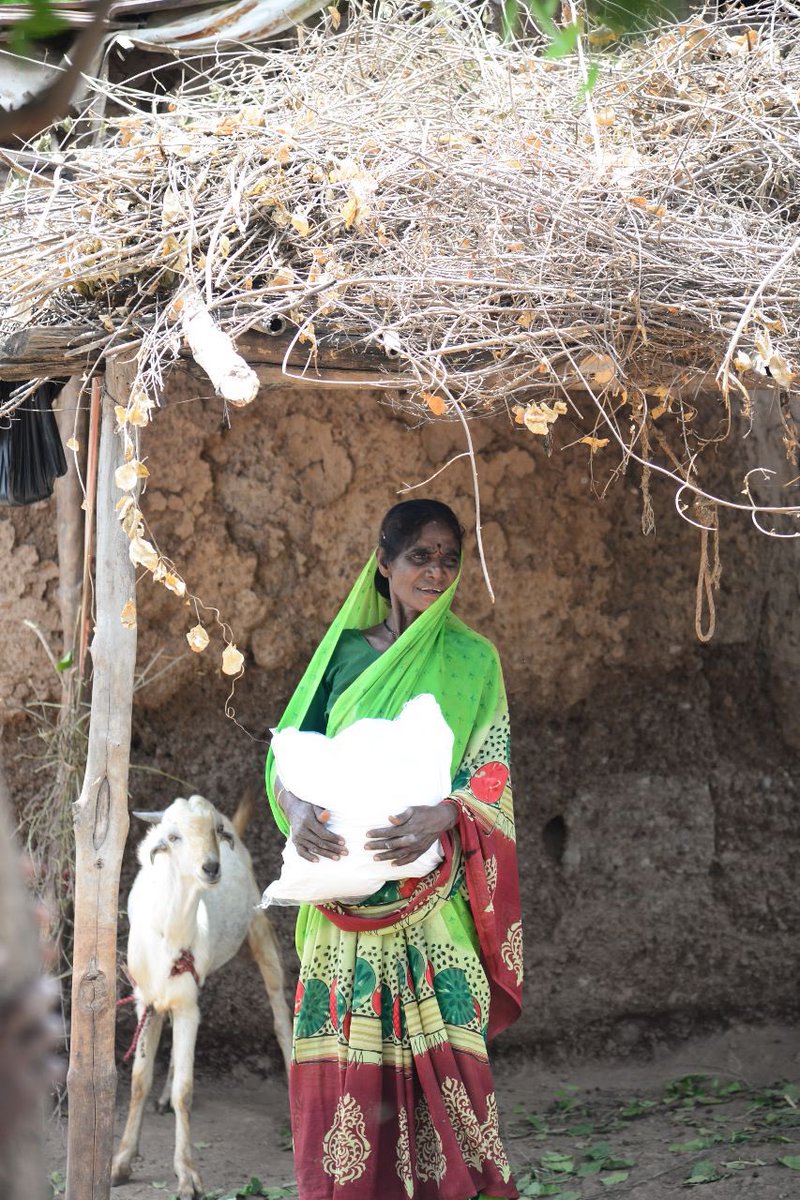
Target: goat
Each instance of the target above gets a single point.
(191, 906)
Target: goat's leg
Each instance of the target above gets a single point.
(184, 1034)
(141, 1083)
(265, 950)
(163, 1101)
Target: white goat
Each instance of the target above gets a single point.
(191, 906)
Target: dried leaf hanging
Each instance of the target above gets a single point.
(232, 660)
(197, 638)
(128, 615)
(141, 551)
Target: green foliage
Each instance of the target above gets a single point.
(41, 23)
(617, 17)
(254, 1187)
(704, 1171)
(692, 1090)
(579, 1159)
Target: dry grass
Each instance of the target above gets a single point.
(420, 186)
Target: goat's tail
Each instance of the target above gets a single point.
(244, 813)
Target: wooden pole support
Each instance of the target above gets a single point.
(101, 827)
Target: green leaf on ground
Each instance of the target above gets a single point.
(637, 1108)
(698, 1143)
(601, 1150)
(537, 1122)
(585, 1129)
(613, 1178)
(704, 1171)
(564, 1164)
(590, 1168)
(566, 1100)
(790, 1160)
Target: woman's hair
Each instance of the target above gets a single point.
(402, 524)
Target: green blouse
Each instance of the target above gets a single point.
(353, 654)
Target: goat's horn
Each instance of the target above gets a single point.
(152, 818)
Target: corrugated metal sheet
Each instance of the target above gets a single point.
(254, 16)
(247, 21)
(155, 25)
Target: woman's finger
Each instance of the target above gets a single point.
(400, 854)
(385, 834)
(315, 829)
(317, 846)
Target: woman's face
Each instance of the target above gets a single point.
(423, 570)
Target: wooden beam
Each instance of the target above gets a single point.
(339, 361)
(29, 353)
(101, 828)
(67, 349)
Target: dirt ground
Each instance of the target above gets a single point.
(719, 1113)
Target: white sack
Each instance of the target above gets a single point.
(370, 771)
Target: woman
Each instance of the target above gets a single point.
(390, 1088)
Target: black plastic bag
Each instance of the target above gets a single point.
(31, 454)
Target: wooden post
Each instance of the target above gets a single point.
(101, 827)
(69, 517)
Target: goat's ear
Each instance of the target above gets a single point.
(151, 818)
(159, 846)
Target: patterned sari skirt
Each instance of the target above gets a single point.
(390, 1087)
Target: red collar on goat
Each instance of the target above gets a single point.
(184, 965)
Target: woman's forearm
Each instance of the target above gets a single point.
(283, 797)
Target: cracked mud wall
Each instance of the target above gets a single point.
(655, 778)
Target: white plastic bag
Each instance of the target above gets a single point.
(370, 771)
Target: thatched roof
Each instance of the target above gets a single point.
(462, 216)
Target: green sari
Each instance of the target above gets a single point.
(390, 1086)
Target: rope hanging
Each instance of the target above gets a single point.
(708, 575)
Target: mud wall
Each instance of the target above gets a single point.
(655, 778)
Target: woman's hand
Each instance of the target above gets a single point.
(311, 839)
(411, 833)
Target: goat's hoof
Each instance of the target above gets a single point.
(190, 1187)
(163, 1106)
(120, 1172)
